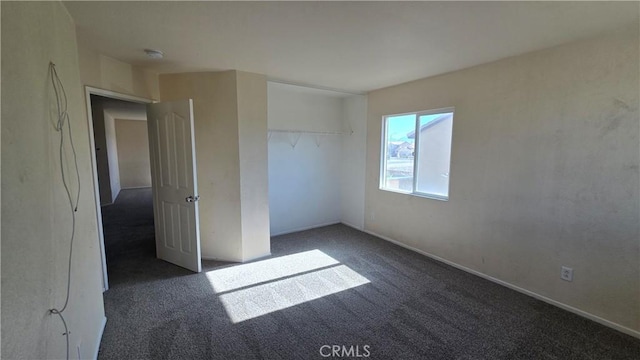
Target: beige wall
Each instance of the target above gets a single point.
(217, 159)
(36, 220)
(219, 155)
(133, 153)
(544, 173)
(103, 72)
(353, 160)
(252, 139)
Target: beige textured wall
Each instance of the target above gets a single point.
(353, 160)
(133, 153)
(254, 189)
(103, 72)
(544, 173)
(230, 133)
(217, 155)
(36, 220)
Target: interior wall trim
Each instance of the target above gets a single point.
(284, 232)
(99, 339)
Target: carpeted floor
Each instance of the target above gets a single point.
(328, 286)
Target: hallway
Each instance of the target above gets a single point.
(129, 240)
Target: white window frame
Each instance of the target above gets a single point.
(383, 153)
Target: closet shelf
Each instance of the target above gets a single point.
(308, 132)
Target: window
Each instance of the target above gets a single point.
(416, 153)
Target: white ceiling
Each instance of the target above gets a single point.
(352, 46)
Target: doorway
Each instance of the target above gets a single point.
(169, 163)
(121, 166)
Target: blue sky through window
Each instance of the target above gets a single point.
(399, 126)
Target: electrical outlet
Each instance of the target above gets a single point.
(372, 216)
(566, 273)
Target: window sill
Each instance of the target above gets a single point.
(417, 194)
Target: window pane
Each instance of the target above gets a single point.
(434, 154)
(400, 144)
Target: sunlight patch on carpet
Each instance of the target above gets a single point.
(244, 275)
(251, 290)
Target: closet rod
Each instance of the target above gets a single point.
(307, 132)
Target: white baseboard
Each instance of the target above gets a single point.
(257, 257)
(304, 228)
(236, 261)
(135, 187)
(104, 324)
(213, 258)
(569, 308)
(114, 198)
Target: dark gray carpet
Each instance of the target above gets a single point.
(411, 308)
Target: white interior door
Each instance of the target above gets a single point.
(173, 177)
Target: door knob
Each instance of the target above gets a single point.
(192, 198)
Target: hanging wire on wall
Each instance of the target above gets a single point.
(62, 120)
